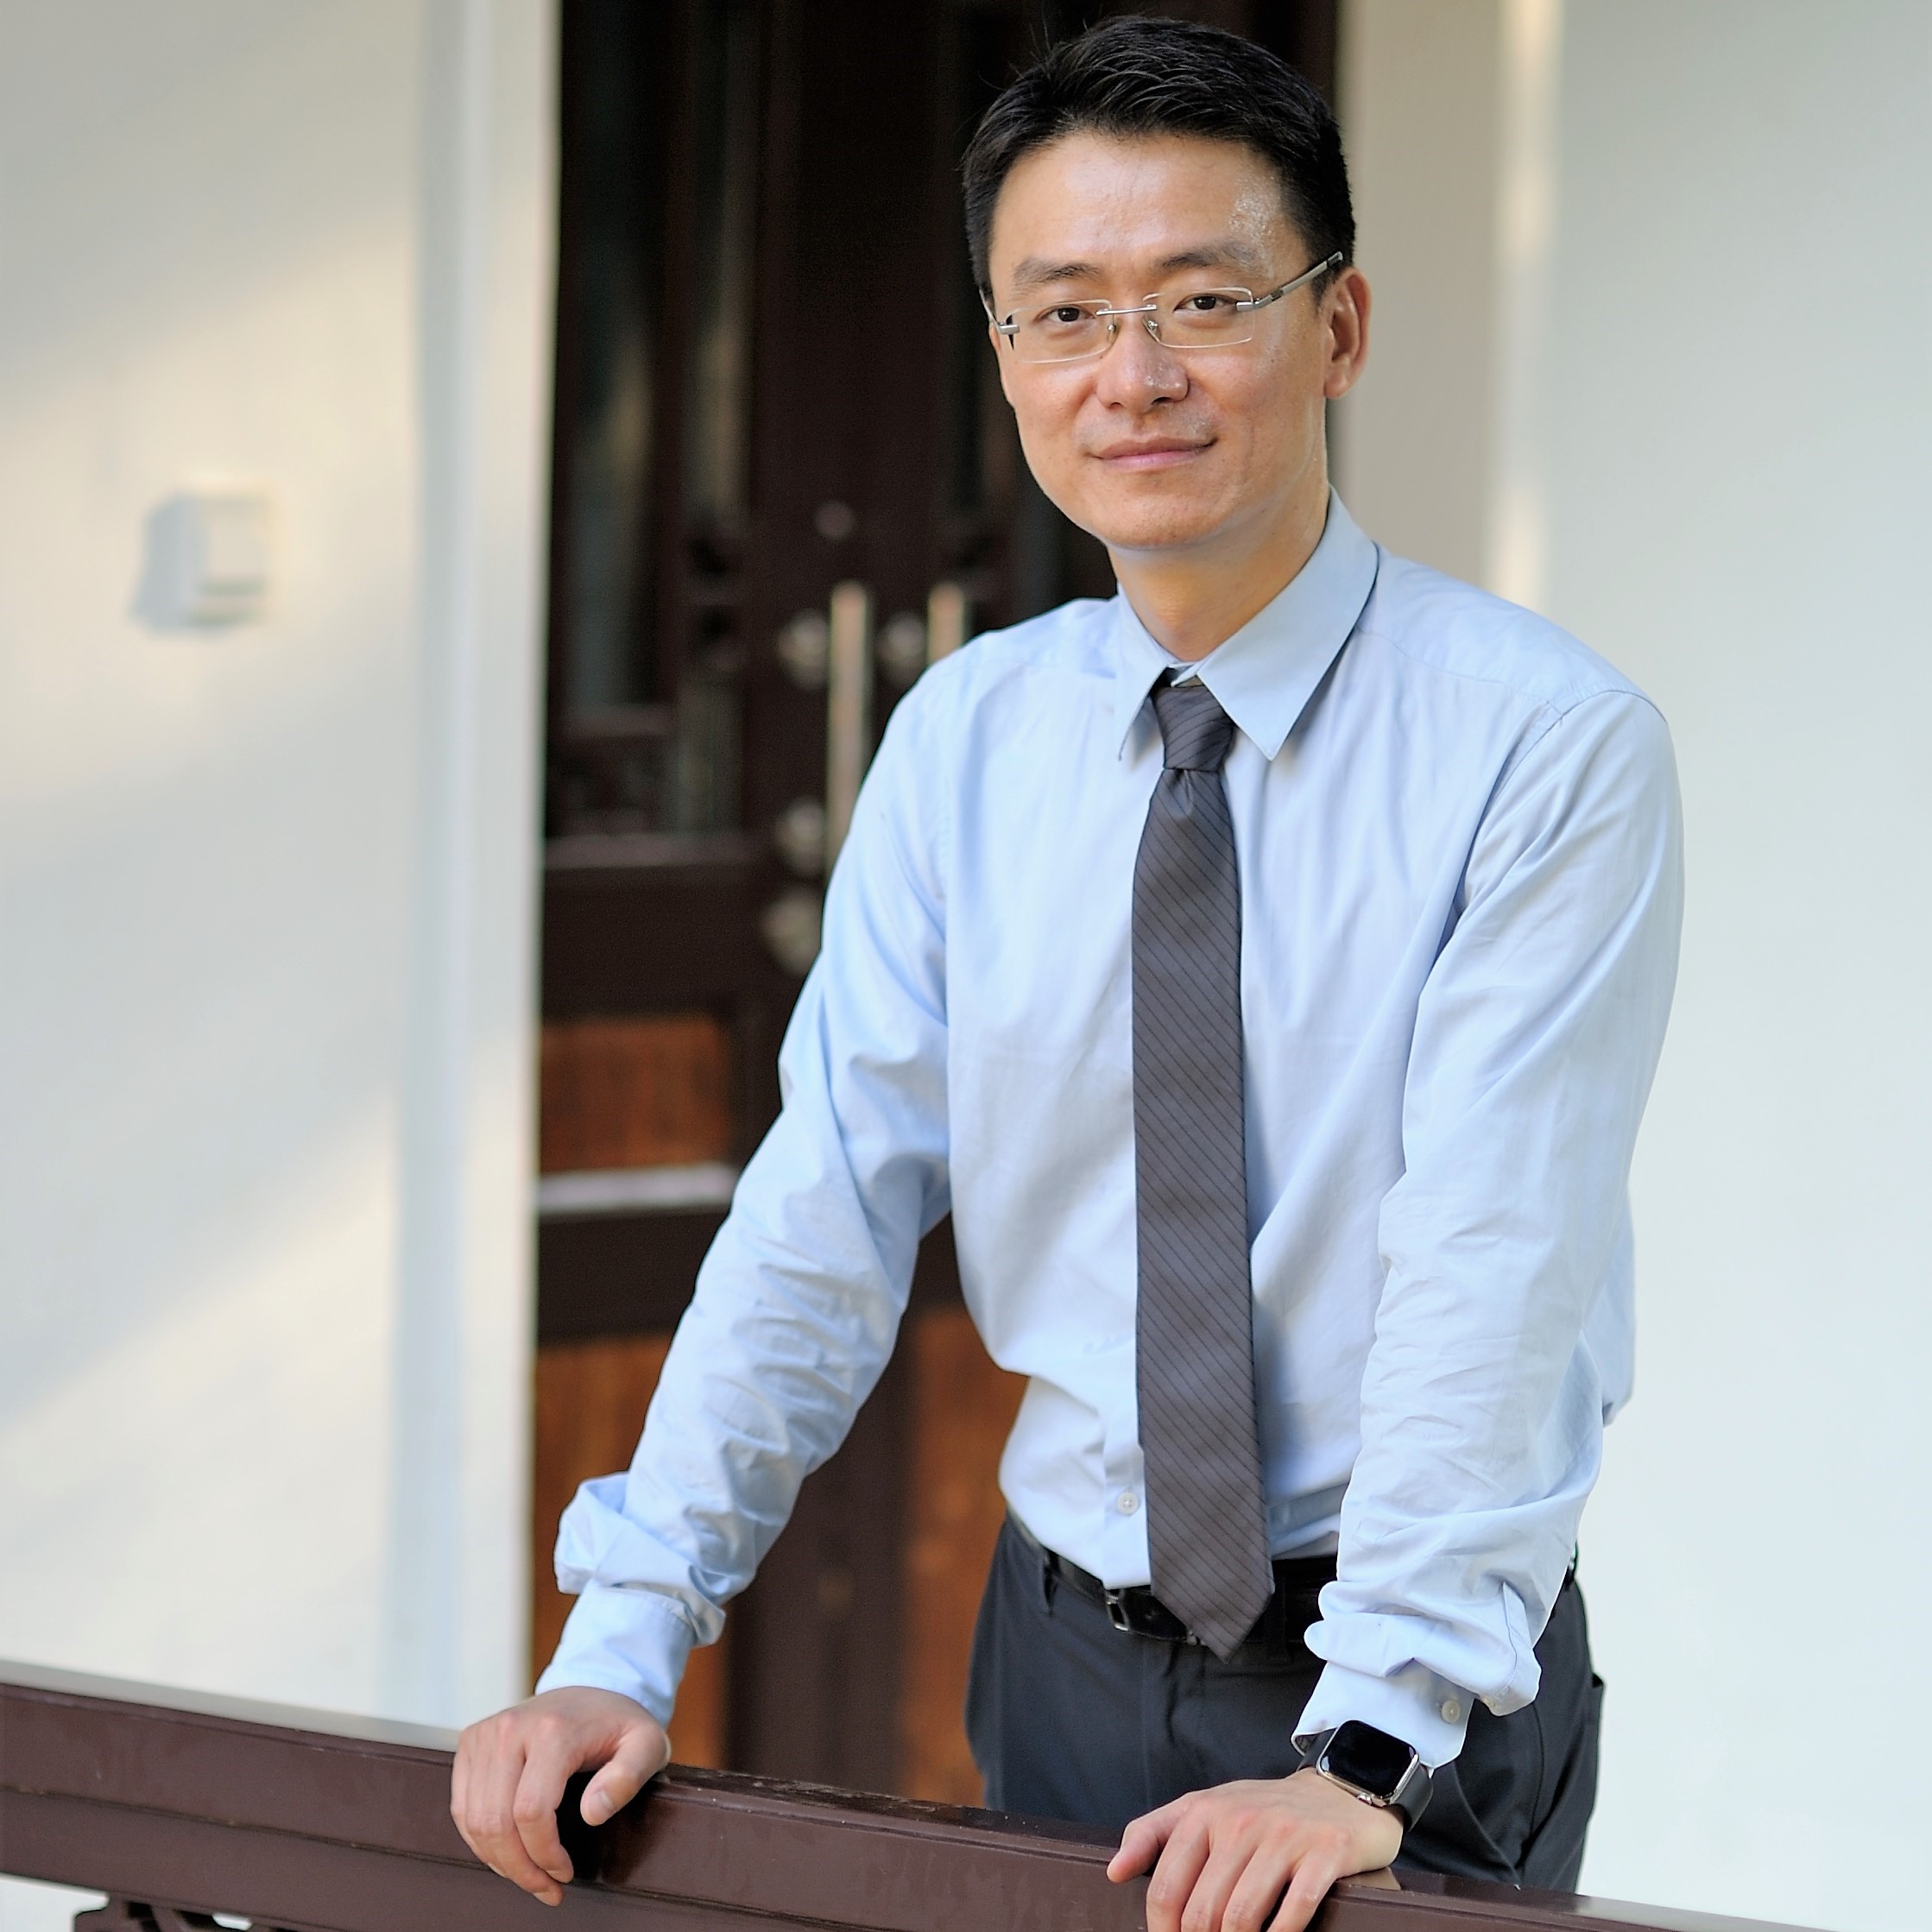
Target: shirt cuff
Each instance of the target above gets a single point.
(634, 1641)
(1428, 1713)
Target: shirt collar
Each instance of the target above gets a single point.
(1267, 671)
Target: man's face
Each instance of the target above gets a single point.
(1151, 448)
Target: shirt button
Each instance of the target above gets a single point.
(1126, 1502)
(1452, 1711)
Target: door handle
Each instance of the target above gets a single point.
(834, 649)
(907, 643)
(946, 620)
(848, 708)
(803, 646)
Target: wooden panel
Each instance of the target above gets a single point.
(963, 1411)
(634, 1093)
(651, 937)
(618, 1273)
(591, 1401)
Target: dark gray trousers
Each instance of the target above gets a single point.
(1070, 1718)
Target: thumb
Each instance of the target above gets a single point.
(642, 1752)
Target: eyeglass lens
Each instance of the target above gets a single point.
(1196, 319)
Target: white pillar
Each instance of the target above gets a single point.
(458, 1590)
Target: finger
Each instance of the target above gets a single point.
(462, 1791)
(539, 1790)
(642, 1752)
(1141, 1842)
(493, 1824)
(470, 1784)
(1252, 1903)
(1318, 1869)
(460, 1785)
(1216, 1884)
(1172, 1884)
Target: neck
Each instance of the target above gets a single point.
(1194, 598)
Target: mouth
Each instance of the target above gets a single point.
(1158, 452)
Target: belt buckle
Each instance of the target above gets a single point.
(1117, 1612)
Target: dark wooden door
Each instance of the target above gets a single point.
(784, 476)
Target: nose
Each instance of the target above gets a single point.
(1138, 369)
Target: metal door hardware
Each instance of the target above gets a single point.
(848, 708)
(804, 648)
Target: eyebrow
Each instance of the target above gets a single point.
(1035, 271)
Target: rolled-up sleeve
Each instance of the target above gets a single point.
(799, 1301)
(1482, 1407)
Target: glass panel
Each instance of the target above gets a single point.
(724, 100)
(614, 196)
(725, 130)
(978, 421)
(660, 130)
(710, 725)
(1011, 550)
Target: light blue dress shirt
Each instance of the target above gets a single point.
(1458, 847)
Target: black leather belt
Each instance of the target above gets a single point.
(1137, 1611)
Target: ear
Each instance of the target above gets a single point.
(1345, 320)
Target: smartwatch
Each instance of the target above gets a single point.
(1376, 1768)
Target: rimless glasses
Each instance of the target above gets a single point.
(1191, 318)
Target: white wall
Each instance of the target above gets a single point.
(1729, 416)
(1418, 76)
(266, 895)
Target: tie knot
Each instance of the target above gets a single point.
(1195, 732)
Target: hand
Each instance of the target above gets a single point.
(1226, 1855)
(511, 1769)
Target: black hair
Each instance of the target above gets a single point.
(1136, 76)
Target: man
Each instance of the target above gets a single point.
(1266, 968)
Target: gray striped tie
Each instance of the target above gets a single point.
(1207, 1536)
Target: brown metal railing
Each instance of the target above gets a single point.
(179, 1806)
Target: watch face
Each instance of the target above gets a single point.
(1360, 1755)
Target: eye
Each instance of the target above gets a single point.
(1067, 315)
(1209, 301)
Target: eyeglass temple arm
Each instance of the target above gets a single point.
(1289, 287)
(1009, 330)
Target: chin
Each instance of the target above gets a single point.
(1148, 513)
(1148, 526)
